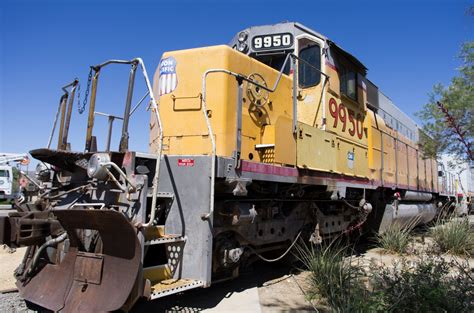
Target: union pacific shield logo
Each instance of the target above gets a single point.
(168, 78)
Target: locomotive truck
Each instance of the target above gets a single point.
(276, 137)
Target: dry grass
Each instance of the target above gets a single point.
(453, 235)
(333, 280)
(397, 237)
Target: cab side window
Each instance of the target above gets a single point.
(348, 82)
(309, 66)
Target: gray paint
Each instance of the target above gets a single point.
(190, 186)
(407, 215)
(295, 29)
(396, 119)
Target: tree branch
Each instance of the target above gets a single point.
(456, 128)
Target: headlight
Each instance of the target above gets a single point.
(1, 182)
(242, 36)
(242, 47)
(42, 172)
(97, 167)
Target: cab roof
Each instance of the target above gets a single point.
(296, 29)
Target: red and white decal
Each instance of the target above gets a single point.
(185, 162)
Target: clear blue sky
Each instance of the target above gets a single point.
(408, 46)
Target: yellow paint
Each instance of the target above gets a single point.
(185, 129)
(316, 149)
(362, 146)
(374, 146)
(402, 162)
(429, 173)
(434, 167)
(412, 167)
(157, 273)
(154, 232)
(310, 105)
(421, 172)
(285, 142)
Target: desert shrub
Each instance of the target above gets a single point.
(425, 285)
(396, 237)
(334, 280)
(453, 235)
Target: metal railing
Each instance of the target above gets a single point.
(240, 78)
(128, 112)
(65, 116)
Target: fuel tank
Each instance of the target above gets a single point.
(417, 196)
(407, 214)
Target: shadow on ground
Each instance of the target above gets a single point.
(198, 300)
(286, 297)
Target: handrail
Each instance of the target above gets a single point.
(62, 102)
(111, 119)
(209, 127)
(154, 108)
(310, 65)
(113, 61)
(247, 79)
(63, 98)
(67, 121)
(139, 103)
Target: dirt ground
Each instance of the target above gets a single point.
(9, 261)
(285, 294)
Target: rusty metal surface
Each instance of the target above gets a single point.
(26, 228)
(89, 282)
(88, 268)
(62, 159)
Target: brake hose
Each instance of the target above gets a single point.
(281, 256)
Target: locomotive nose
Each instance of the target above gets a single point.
(87, 281)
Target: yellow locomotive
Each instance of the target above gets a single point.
(276, 137)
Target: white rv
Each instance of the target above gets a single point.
(6, 182)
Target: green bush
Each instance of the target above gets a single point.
(425, 285)
(334, 280)
(453, 235)
(396, 237)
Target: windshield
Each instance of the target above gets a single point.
(4, 173)
(309, 68)
(275, 61)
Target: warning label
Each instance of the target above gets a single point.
(185, 162)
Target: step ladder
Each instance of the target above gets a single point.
(161, 279)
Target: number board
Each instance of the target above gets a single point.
(273, 41)
(346, 119)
